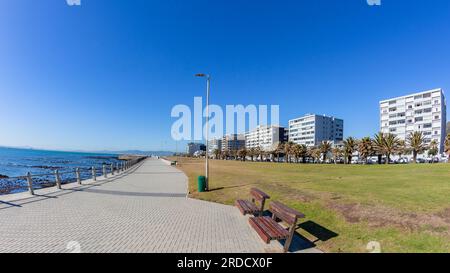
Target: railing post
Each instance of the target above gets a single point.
(94, 174)
(57, 179)
(122, 166)
(30, 183)
(112, 168)
(104, 171)
(117, 167)
(78, 176)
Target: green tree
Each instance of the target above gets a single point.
(416, 143)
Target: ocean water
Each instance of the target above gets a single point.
(15, 163)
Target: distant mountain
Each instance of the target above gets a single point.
(138, 152)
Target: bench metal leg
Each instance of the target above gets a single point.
(261, 211)
(288, 241)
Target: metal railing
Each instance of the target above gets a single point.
(106, 169)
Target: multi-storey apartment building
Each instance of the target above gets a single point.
(311, 130)
(423, 112)
(266, 138)
(192, 148)
(215, 144)
(233, 142)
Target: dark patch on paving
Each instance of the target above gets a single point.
(143, 194)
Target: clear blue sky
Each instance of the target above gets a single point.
(107, 74)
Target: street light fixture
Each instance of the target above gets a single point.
(208, 80)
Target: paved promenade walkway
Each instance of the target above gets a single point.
(142, 210)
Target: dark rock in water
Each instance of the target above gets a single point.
(3, 176)
(102, 157)
(47, 167)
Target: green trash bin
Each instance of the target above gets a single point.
(201, 184)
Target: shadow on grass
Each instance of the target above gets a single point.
(321, 233)
(229, 187)
(300, 242)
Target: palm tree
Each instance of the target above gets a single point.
(447, 146)
(433, 150)
(295, 149)
(391, 146)
(234, 154)
(315, 154)
(217, 153)
(257, 153)
(279, 150)
(288, 150)
(378, 145)
(349, 148)
(303, 152)
(402, 148)
(325, 147)
(242, 153)
(416, 143)
(337, 154)
(365, 148)
(251, 153)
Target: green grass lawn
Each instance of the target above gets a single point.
(404, 207)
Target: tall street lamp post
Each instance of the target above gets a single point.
(208, 81)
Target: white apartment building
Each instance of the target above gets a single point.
(214, 144)
(423, 112)
(312, 129)
(233, 142)
(192, 148)
(266, 138)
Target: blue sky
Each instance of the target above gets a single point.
(106, 75)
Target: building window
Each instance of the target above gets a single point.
(418, 119)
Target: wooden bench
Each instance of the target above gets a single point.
(269, 229)
(250, 207)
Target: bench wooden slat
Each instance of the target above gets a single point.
(266, 238)
(246, 207)
(287, 209)
(258, 194)
(285, 213)
(276, 231)
(268, 229)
